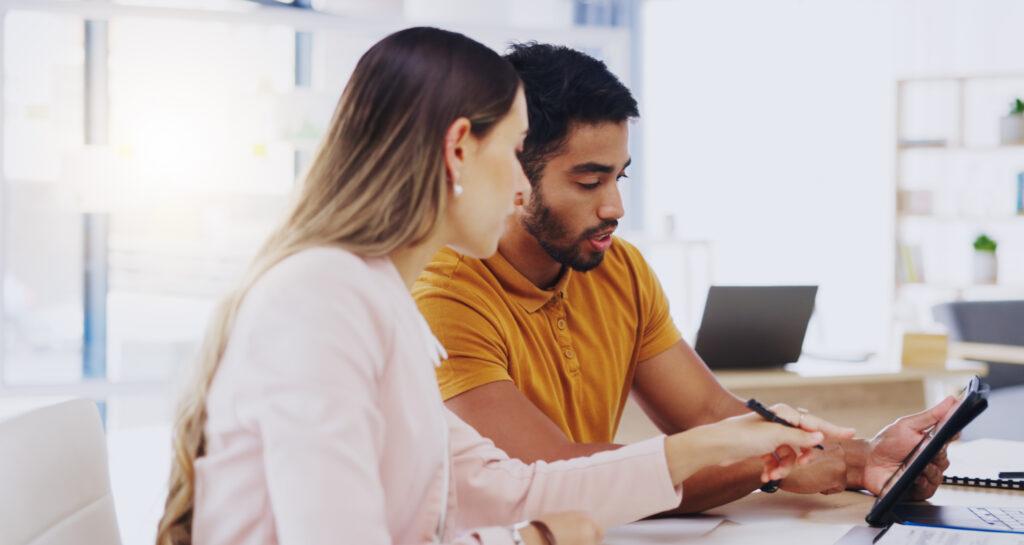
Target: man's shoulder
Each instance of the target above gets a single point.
(453, 292)
(451, 273)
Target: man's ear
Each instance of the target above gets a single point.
(456, 139)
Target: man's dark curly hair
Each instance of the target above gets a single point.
(564, 86)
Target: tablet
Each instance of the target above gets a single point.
(971, 401)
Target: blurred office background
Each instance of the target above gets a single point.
(149, 146)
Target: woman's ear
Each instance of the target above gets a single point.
(456, 139)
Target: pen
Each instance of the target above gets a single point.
(770, 416)
(1011, 474)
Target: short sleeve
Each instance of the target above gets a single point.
(659, 330)
(477, 354)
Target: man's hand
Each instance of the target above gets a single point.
(738, 438)
(888, 449)
(824, 472)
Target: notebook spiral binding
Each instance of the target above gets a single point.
(1008, 484)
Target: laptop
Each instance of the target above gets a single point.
(754, 327)
(889, 507)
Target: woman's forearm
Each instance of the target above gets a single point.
(687, 453)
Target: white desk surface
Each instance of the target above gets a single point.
(805, 373)
(1000, 353)
(793, 519)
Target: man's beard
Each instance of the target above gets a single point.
(546, 227)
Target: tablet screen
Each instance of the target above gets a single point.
(923, 444)
(970, 403)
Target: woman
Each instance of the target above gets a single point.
(315, 416)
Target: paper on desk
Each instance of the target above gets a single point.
(859, 535)
(662, 531)
(924, 535)
(984, 458)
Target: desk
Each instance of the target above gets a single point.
(866, 396)
(997, 353)
(788, 519)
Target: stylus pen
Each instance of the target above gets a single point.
(1011, 474)
(770, 416)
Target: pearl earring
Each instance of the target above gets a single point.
(457, 189)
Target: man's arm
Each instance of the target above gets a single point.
(678, 392)
(503, 414)
(500, 412)
(675, 388)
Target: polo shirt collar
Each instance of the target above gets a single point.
(519, 287)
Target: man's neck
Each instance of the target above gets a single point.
(526, 255)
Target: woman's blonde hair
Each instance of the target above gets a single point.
(377, 184)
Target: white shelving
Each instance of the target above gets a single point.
(952, 181)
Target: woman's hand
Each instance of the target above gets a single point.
(747, 436)
(570, 528)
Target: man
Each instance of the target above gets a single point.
(547, 338)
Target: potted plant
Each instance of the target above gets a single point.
(1011, 127)
(985, 263)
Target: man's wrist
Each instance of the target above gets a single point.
(856, 456)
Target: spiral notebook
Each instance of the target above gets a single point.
(1009, 484)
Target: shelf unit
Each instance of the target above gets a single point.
(949, 185)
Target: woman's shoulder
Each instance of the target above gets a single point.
(332, 265)
(329, 270)
(325, 278)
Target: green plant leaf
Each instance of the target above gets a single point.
(985, 244)
(1018, 107)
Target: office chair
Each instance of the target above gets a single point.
(992, 322)
(54, 480)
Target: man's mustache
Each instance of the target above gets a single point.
(604, 226)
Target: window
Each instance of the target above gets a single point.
(42, 255)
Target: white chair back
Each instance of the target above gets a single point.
(54, 480)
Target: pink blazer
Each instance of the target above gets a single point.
(326, 426)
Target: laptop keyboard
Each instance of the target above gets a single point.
(1012, 518)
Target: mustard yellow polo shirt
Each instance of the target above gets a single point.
(571, 350)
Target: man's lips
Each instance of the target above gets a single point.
(601, 241)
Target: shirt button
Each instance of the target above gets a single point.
(569, 353)
(561, 324)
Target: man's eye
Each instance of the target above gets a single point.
(621, 177)
(589, 186)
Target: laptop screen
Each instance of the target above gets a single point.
(747, 327)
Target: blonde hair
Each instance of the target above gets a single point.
(377, 184)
